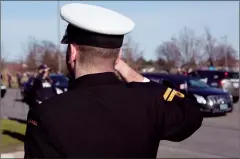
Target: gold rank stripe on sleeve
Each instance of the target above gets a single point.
(170, 94)
(166, 94)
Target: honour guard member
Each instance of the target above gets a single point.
(40, 87)
(102, 116)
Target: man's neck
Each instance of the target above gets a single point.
(83, 72)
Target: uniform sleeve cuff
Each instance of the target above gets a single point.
(146, 79)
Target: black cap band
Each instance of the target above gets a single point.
(79, 36)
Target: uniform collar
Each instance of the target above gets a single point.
(107, 78)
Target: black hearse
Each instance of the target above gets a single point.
(210, 100)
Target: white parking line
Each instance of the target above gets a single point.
(7, 155)
(170, 152)
(17, 154)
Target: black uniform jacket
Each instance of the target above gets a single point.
(38, 92)
(104, 117)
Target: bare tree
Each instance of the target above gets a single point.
(127, 51)
(2, 58)
(195, 51)
(209, 46)
(168, 55)
(131, 54)
(43, 52)
(190, 47)
(186, 50)
(33, 54)
(226, 55)
(49, 54)
(2, 64)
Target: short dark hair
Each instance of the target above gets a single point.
(90, 55)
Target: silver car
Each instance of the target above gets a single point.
(231, 85)
(226, 80)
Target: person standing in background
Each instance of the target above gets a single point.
(19, 78)
(9, 80)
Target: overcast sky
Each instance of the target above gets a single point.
(156, 21)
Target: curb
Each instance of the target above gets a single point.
(17, 154)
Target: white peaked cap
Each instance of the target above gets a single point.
(96, 19)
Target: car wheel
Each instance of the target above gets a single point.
(219, 114)
(235, 99)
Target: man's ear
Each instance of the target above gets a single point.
(73, 52)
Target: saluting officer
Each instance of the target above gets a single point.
(40, 87)
(101, 116)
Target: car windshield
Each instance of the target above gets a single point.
(60, 79)
(215, 75)
(195, 83)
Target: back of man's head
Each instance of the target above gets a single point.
(96, 57)
(93, 43)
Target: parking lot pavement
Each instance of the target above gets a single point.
(12, 107)
(210, 140)
(217, 138)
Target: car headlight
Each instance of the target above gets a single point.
(200, 99)
(211, 102)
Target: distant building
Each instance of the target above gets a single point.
(12, 67)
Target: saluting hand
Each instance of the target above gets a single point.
(127, 72)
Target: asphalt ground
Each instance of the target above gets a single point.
(219, 137)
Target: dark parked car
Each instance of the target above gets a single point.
(210, 100)
(226, 80)
(60, 81)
